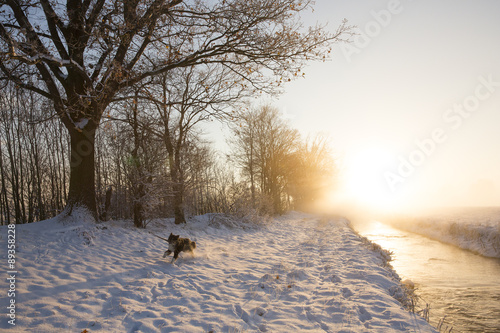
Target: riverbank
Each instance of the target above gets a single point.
(476, 229)
(294, 273)
(461, 287)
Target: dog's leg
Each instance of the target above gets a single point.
(176, 255)
(166, 253)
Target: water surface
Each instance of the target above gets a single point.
(458, 284)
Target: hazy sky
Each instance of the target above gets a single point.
(413, 104)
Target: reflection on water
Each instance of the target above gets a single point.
(458, 284)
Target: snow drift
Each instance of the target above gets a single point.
(297, 273)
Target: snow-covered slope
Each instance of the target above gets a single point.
(298, 273)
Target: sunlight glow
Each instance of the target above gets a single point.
(363, 179)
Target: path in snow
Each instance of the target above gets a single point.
(297, 274)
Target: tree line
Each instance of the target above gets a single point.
(269, 168)
(90, 82)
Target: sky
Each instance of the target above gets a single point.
(412, 105)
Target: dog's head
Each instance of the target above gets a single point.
(173, 238)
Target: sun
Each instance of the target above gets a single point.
(363, 178)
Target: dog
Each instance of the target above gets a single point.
(176, 244)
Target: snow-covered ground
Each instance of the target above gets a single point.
(296, 273)
(472, 228)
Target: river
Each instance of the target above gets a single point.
(460, 286)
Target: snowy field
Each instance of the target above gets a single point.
(474, 228)
(297, 273)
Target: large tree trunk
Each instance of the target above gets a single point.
(138, 208)
(4, 201)
(179, 203)
(81, 193)
(138, 179)
(177, 188)
(176, 177)
(107, 204)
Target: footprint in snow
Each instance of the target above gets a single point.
(363, 314)
(335, 278)
(260, 311)
(238, 310)
(346, 292)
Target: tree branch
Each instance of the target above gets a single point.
(53, 23)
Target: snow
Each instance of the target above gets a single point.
(82, 123)
(295, 273)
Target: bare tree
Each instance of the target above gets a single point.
(33, 179)
(244, 149)
(184, 99)
(263, 145)
(276, 164)
(312, 172)
(80, 54)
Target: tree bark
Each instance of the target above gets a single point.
(138, 208)
(177, 189)
(4, 201)
(81, 193)
(179, 204)
(107, 204)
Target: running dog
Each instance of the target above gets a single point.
(176, 244)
